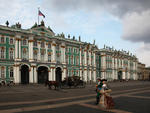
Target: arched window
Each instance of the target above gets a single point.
(35, 55)
(42, 44)
(11, 53)
(11, 72)
(24, 42)
(35, 43)
(24, 55)
(67, 59)
(42, 55)
(11, 41)
(49, 57)
(49, 45)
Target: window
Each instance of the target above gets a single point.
(11, 72)
(35, 55)
(24, 55)
(35, 43)
(77, 60)
(49, 57)
(42, 44)
(2, 51)
(66, 59)
(2, 72)
(24, 42)
(11, 53)
(49, 45)
(11, 41)
(42, 55)
(2, 40)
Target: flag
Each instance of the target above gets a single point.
(41, 14)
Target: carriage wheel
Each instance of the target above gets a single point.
(52, 87)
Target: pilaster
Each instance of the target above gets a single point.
(53, 52)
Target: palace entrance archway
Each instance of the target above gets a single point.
(42, 74)
(24, 74)
(58, 74)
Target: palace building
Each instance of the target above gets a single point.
(37, 54)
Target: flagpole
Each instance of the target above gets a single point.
(38, 15)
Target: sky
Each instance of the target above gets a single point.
(121, 24)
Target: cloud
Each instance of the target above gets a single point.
(143, 53)
(18, 11)
(134, 15)
(136, 27)
(84, 17)
(117, 7)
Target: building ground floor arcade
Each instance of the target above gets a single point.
(25, 73)
(119, 74)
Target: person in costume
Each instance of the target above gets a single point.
(98, 88)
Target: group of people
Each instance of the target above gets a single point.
(101, 88)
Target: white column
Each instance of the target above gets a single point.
(18, 75)
(64, 74)
(30, 50)
(64, 55)
(90, 58)
(85, 75)
(94, 75)
(102, 74)
(46, 54)
(19, 49)
(116, 67)
(63, 59)
(94, 58)
(15, 74)
(35, 75)
(90, 78)
(39, 53)
(104, 62)
(113, 74)
(128, 75)
(112, 63)
(31, 75)
(16, 49)
(54, 74)
(51, 74)
(81, 76)
(53, 52)
(85, 58)
(80, 57)
(123, 74)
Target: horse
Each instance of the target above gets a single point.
(53, 83)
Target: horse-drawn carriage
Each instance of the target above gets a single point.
(68, 82)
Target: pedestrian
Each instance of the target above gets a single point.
(98, 88)
(109, 103)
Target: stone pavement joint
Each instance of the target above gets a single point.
(81, 102)
(58, 99)
(109, 110)
(143, 97)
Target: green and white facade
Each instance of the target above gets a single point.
(37, 54)
(118, 64)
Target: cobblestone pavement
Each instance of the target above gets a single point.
(129, 97)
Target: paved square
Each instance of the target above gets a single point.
(129, 97)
